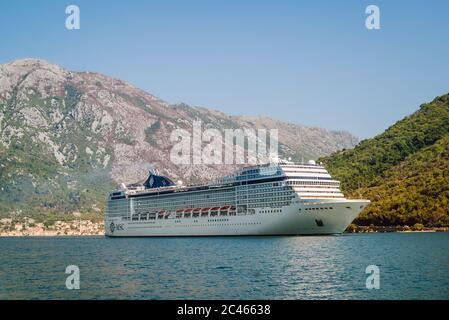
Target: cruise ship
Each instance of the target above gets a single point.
(280, 199)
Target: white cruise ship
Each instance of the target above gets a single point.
(283, 199)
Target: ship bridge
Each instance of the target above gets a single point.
(311, 181)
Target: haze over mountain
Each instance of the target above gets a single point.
(66, 138)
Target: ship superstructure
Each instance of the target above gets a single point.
(281, 199)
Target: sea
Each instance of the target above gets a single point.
(348, 266)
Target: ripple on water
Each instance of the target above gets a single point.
(412, 266)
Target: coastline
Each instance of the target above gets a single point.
(401, 229)
(60, 228)
(89, 228)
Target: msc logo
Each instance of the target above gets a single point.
(113, 227)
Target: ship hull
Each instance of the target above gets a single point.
(315, 218)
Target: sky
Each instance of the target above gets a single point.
(313, 63)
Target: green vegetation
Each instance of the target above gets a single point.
(151, 131)
(73, 96)
(124, 137)
(34, 184)
(404, 171)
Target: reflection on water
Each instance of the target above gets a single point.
(412, 266)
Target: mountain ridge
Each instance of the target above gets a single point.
(67, 137)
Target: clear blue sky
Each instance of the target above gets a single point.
(311, 63)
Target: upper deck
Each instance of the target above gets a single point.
(304, 173)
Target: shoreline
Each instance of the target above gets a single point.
(89, 228)
(29, 228)
(400, 229)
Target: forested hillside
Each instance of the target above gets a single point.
(403, 171)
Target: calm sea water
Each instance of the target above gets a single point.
(412, 266)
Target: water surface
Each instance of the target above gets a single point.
(412, 266)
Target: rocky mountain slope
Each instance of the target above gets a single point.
(67, 137)
(403, 171)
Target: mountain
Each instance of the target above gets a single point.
(67, 138)
(403, 171)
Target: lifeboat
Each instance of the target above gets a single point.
(196, 212)
(224, 210)
(214, 211)
(187, 213)
(204, 212)
(161, 214)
